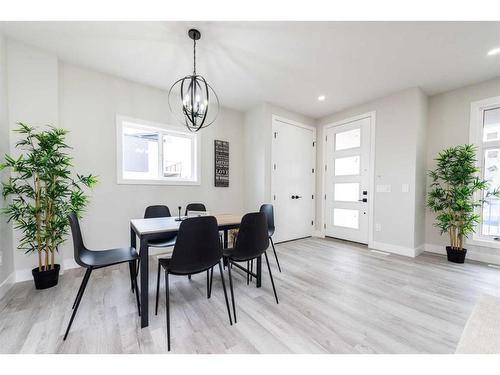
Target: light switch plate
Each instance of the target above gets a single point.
(405, 188)
(378, 227)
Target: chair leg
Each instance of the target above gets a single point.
(167, 293)
(225, 292)
(78, 299)
(78, 294)
(275, 255)
(232, 292)
(208, 284)
(189, 277)
(134, 282)
(251, 269)
(248, 269)
(157, 288)
(138, 266)
(271, 275)
(211, 278)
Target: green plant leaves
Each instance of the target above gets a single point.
(42, 189)
(454, 184)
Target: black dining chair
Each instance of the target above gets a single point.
(92, 260)
(268, 210)
(196, 250)
(252, 241)
(195, 207)
(163, 239)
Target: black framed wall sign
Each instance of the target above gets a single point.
(221, 172)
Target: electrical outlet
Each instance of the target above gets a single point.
(378, 227)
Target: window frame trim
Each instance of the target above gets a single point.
(163, 129)
(476, 137)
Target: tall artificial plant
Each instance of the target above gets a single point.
(43, 191)
(456, 192)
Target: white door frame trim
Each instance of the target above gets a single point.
(371, 185)
(313, 129)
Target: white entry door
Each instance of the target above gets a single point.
(293, 179)
(347, 177)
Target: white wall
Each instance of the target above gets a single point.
(45, 91)
(399, 159)
(6, 253)
(32, 90)
(448, 125)
(89, 102)
(257, 151)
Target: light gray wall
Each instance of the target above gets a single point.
(7, 263)
(448, 125)
(257, 151)
(43, 90)
(400, 131)
(32, 98)
(89, 102)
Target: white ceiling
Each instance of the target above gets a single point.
(285, 63)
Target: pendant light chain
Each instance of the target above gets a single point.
(194, 56)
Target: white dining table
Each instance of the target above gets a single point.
(146, 229)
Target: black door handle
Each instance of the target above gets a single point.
(363, 200)
(296, 197)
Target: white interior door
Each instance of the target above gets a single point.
(347, 177)
(292, 186)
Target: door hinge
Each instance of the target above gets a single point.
(312, 197)
(324, 226)
(275, 134)
(314, 143)
(313, 170)
(326, 167)
(325, 197)
(312, 222)
(274, 197)
(326, 139)
(274, 166)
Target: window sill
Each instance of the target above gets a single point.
(484, 242)
(159, 182)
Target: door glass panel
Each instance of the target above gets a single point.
(347, 166)
(348, 139)
(346, 218)
(348, 192)
(491, 124)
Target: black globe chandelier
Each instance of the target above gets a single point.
(191, 98)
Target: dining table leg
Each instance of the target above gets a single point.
(144, 283)
(259, 272)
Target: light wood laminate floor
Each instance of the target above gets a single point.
(335, 297)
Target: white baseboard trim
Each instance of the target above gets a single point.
(483, 255)
(7, 284)
(318, 233)
(396, 249)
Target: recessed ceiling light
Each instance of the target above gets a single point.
(321, 98)
(494, 51)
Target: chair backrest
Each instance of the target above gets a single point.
(153, 212)
(253, 238)
(79, 248)
(268, 210)
(195, 207)
(197, 247)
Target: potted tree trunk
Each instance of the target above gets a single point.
(42, 191)
(456, 193)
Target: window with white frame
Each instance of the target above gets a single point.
(149, 153)
(485, 134)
